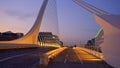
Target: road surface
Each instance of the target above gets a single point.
(29, 58)
(75, 58)
(21, 58)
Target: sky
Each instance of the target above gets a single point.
(75, 25)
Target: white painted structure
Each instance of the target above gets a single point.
(111, 28)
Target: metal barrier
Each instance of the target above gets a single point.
(95, 48)
(45, 58)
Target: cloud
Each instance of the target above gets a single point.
(15, 21)
(21, 15)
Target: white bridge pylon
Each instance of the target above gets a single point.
(111, 28)
(32, 36)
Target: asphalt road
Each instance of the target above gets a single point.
(21, 58)
(29, 58)
(75, 58)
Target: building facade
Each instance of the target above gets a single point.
(48, 39)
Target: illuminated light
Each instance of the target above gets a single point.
(93, 59)
(53, 53)
(53, 37)
(86, 56)
(85, 51)
(101, 30)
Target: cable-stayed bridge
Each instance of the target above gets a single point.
(66, 56)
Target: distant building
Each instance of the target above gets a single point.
(8, 36)
(19, 35)
(48, 39)
(96, 41)
(91, 42)
(61, 43)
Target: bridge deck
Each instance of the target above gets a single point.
(21, 58)
(75, 58)
(29, 58)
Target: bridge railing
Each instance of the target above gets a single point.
(94, 48)
(93, 52)
(52, 54)
(45, 58)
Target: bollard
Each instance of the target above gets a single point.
(44, 60)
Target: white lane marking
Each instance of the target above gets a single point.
(78, 56)
(1, 60)
(65, 61)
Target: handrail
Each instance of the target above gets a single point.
(95, 53)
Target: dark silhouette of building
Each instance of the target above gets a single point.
(61, 43)
(8, 36)
(95, 43)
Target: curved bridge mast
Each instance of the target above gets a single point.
(32, 36)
